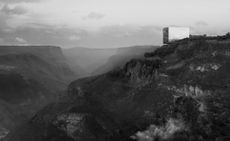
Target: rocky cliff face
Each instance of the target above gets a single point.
(178, 92)
(196, 71)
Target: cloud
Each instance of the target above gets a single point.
(1, 41)
(103, 23)
(20, 40)
(74, 37)
(105, 37)
(94, 16)
(18, 1)
(39, 34)
(121, 36)
(17, 10)
(201, 23)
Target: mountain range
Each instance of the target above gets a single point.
(179, 92)
(33, 76)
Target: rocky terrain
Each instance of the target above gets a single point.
(30, 77)
(179, 92)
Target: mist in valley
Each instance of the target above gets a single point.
(114, 70)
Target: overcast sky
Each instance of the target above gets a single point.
(107, 23)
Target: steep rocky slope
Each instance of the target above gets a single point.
(178, 92)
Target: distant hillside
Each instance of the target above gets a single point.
(87, 59)
(49, 54)
(122, 56)
(97, 61)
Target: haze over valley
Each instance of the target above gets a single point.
(33, 76)
(114, 70)
(88, 61)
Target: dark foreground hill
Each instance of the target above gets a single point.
(30, 77)
(180, 92)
